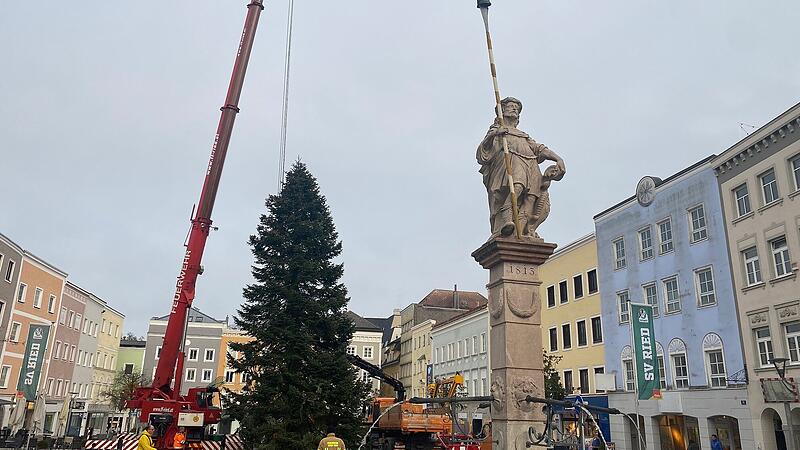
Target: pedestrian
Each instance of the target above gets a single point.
(146, 439)
(597, 442)
(180, 438)
(715, 443)
(331, 442)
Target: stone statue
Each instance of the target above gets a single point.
(530, 184)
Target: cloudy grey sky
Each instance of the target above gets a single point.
(109, 108)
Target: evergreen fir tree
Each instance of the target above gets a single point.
(301, 382)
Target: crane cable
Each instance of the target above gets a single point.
(285, 110)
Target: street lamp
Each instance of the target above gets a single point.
(780, 367)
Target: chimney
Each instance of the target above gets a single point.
(455, 296)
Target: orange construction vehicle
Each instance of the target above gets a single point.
(397, 421)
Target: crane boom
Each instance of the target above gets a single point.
(201, 222)
(376, 372)
(162, 404)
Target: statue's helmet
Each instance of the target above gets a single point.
(511, 100)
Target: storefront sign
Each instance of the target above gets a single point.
(34, 358)
(644, 340)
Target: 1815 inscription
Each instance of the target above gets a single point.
(517, 269)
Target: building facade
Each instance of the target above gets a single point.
(437, 306)
(37, 302)
(666, 247)
(232, 380)
(101, 414)
(759, 181)
(10, 264)
(571, 320)
(366, 343)
(461, 346)
(130, 358)
(203, 344)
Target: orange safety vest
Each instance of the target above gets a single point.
(180, 440)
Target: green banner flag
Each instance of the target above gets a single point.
(33, 360)
(644, 347)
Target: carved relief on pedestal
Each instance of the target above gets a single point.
(498, 391)
(522, 309)
(496, 304)
(521, 388)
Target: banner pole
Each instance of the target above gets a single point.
(642, 445)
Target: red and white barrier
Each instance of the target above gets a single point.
(130, 440)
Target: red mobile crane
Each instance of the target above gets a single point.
(162, 403)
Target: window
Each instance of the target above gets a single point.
(208, 374)
(59, 387)
(553, 339)
(583, 379)
(583, 340)
(562, 291)
(62, 318)
(568, 382)
(72, 355)
(5, 371)
(665, 236)
(23, 289)
(627, 367)
(191, 374)
(752, 266)
(619, 253)
(194, 352)
(680, 369)
(467, 347)
(622, 301)
(158, 351)
(591, 279)
(673, 299)
(71, 320)
(645, 244)
(769, 186)
(551, 296)
(474, 345)
(367, 352)
(483, 342)
(742, 200)
(566, 337)
(597, 330)
(794, 167)
(78, 320)
(715, 361)
(209, 355)
(85, 325)
(351, 350)
(705, 287)
(780, 255)
(128, 369)
(229, 376)
(697, 224)
(793, 341)
(598, 371)
(577, 286)
(651, 297)
(37, 298)
(13, 334)
(94, 331)
(764, 344)
(9, 270)
(57, 350)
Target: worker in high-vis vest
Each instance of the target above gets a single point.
(146, 439)
(180, 439)
(331, 442)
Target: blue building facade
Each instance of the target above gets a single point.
(666, 246)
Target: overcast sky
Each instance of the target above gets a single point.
(109, 109)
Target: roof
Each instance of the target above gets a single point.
(385, 324)
(455, 299)
(361, 323)
(194, 315)
(669, 179)
(460, 316)
(125, 343)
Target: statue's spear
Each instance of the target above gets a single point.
(483, 5)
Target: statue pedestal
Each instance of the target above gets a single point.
(515, 335)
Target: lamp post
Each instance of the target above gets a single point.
(780, 367)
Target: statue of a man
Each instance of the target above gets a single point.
(530, 184)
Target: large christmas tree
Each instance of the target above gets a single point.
(300, 380)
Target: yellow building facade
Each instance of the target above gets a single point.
(571, 321)
(231, 380)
